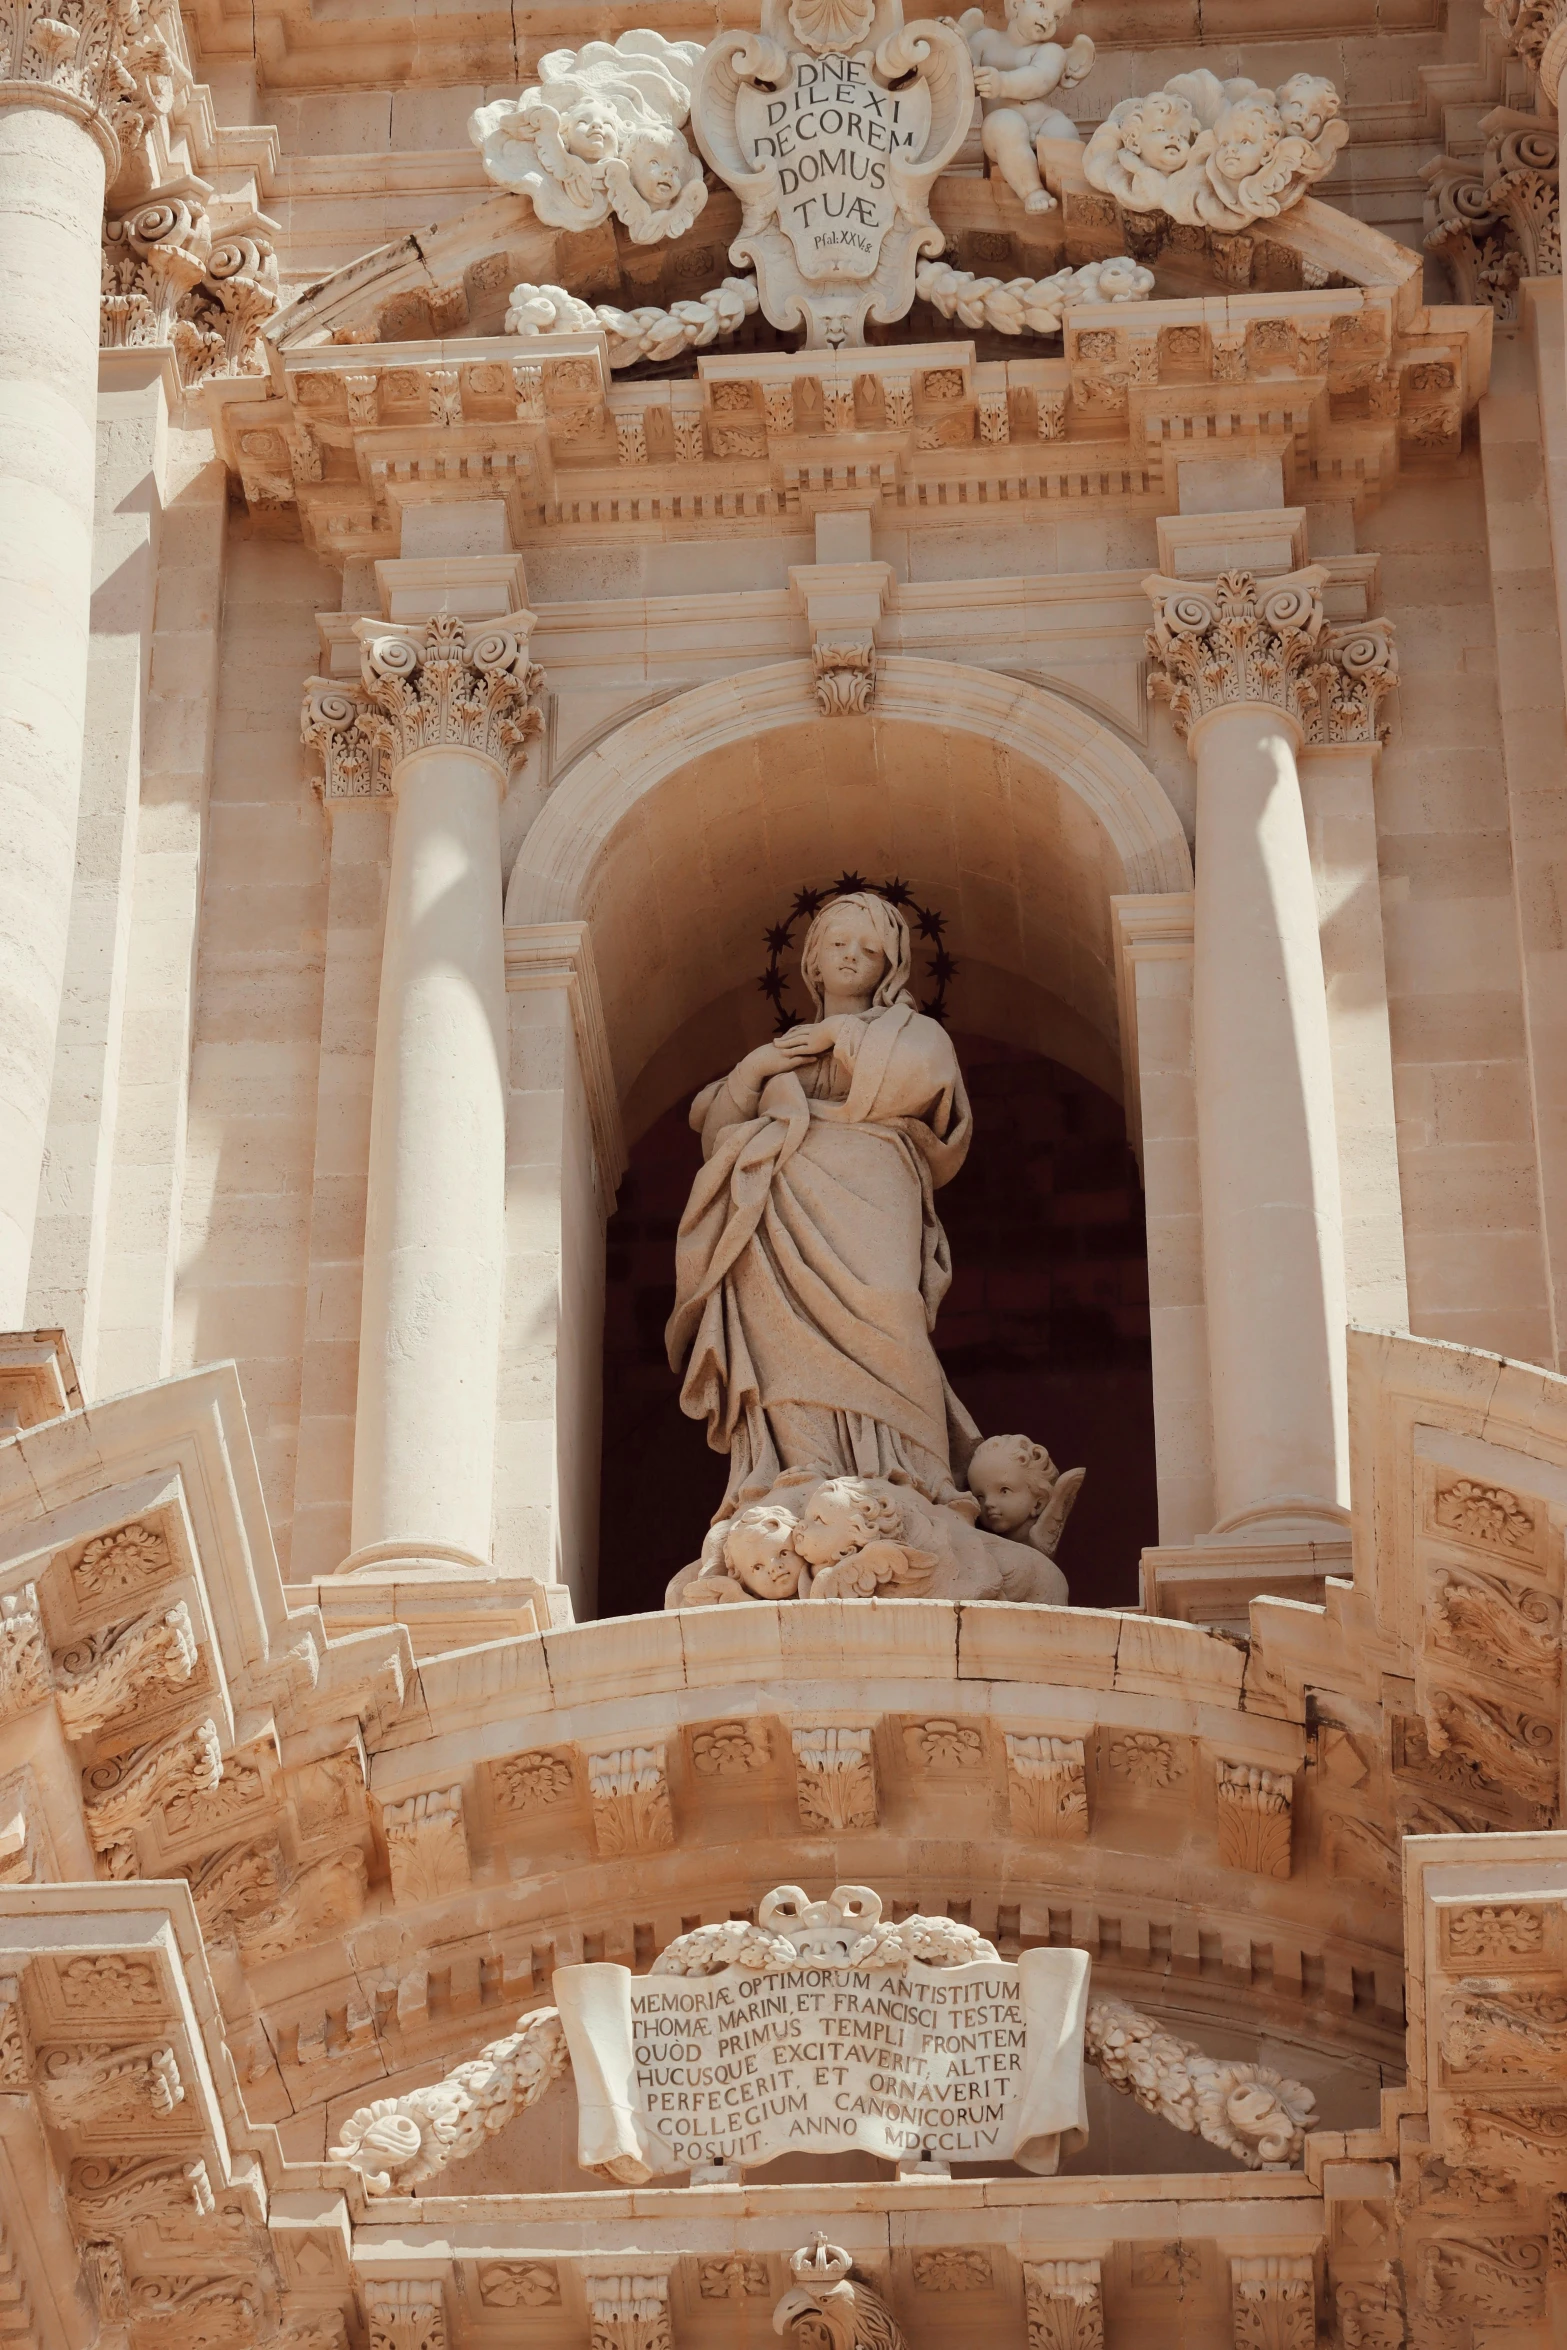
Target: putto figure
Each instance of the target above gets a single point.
(1017, 75)
(600, 133)
(1214, 154)
(1021, 1493)
(809, 1268)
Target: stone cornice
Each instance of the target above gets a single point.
(1243, 640)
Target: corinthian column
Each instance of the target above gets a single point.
(75, 83)
(1252, 670)
(443, 709)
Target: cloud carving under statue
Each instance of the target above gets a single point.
(599, 133)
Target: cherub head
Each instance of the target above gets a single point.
(1011, 1478)
(1307, 103)
(1032, 21)
(1161, 128)
(758, 1551)
(845, 1515)
(590, 130)
(1245, 136)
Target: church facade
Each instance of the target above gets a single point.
(783, 1128)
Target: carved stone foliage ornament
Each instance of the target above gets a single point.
(1496, 219)
(120, 61)
(165, 281)
(831, 124)
(1065, 2301)
(1217, 155)
(599, 134)
(615, 2030)
(444, 684)
(1269, 641)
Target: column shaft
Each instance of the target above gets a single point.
(424, 1454)
(1273, 1250)
(51, 226)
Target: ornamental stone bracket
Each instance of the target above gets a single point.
(168, 279)
(1243, 640)
(844, 602)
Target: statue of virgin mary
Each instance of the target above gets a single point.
(811, 1260)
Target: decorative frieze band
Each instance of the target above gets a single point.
(1240, 639)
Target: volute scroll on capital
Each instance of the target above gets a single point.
(1243, 640)
(441, 684)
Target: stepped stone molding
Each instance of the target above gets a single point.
(1244, 640)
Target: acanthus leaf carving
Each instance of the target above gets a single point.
(1371, 2311)
(117, 1794)
(1256, 1812)
(406, 2313)
(1489, 2027)
(451, 683)
(1495, 219)
(835, 1777)
(112, 1671)
(628, 1792)
(1510, 1628)
(1065, 2304)
(16, 2053)
(427, 1845)
(1244, 640)
(109, 2194)
(1273, 2303)
(88, 2086)
(1512, 1746)
(121, 61)
(199, 2312)
(845, 671)
(1492, 2278)
(25, 1676)
(629, 2309)
(1047, 1786)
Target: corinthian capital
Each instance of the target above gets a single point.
(452, 684)
(117, 63)
(338, 724)
(1248, 640)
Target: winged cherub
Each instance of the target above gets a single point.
(1016, 77)
(600, 133)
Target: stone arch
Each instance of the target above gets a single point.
(677, 836)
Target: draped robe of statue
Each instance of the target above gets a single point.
(811, 1262)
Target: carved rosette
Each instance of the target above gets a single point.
(1246, 640)
(116, 64)
(451, 684)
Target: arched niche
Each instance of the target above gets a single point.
(679, 838)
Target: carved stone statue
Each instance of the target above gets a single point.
(829, 2308)
(809, 1268)
(1016, 76)
(599, 133)
(1214, 154)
